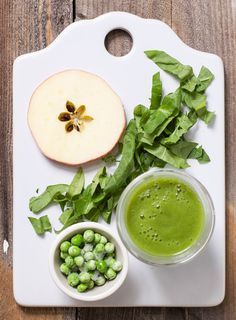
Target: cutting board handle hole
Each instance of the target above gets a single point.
(118, 42)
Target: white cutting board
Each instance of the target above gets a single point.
(81, 45)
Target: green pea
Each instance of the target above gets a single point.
(97, 237)
(101, 266)
(69, 261)
(64, 269)
(74, 251)
(65, 245)
(63, 255)
(88, 256)
(82, 287)
(88, 236)
(117, 266)
(84, 268)
(100, 281)
(103, 240)
(99, 248)
(91, 265)
(77, 240)
(94, 275)
(109, 247)
(109, 261)
(84, 277)
(75, 268)
(88, 247)
(79, 261)
(98, 256)
(73, 279)
(110, 274)
(91, 284)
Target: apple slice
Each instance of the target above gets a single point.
(75, 117)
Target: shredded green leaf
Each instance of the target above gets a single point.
(170, 64)
(156, 91)
(77, 184)
(41, 225)
(170, 104)
(205, 78)
(37, 204)
(183, 148)
(109, 159)
(197, 101)
(199, 154)
(126, 164)
(183, 124)
(162, 153)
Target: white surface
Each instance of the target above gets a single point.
(81, 45)
(97, 293)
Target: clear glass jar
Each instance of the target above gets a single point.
(196, 247)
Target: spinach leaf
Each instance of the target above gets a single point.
(141, 115)
(77, 184)
(169, 64)
(96, 180)
(163, 127)
(66, 215)
(41, 225)
(84, 203)
(93, 215)
(197, 101)
(158, 163)
(61, 200)
(161, 152)
(156, 91)
(183, 148)
(126, 164)
(71, 220)
(110, 159)
(170, 104)
(205, 78)
(103, 180)
(204, 157)
(37, 204)
(147, 160)
(182, 127)
(106, 214)
(206, 116)
(199, 154)
(190, 84)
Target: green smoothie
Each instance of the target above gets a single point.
(164, 216)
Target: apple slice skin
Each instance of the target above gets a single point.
(97, 138)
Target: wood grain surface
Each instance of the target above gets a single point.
(29, 25)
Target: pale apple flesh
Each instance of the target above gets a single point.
(96, 138)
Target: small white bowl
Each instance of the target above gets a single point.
(97, 293)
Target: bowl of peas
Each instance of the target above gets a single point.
(88, 261)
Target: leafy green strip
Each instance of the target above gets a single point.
(161, 152)
(41, 225)
(170, 104)
(192, 87)
(126, 164)
(170, 64)
(37, 204)
(77, 184)
(156, 91)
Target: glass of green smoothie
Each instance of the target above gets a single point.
(165, 217)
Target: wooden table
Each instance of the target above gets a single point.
(29, 25)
